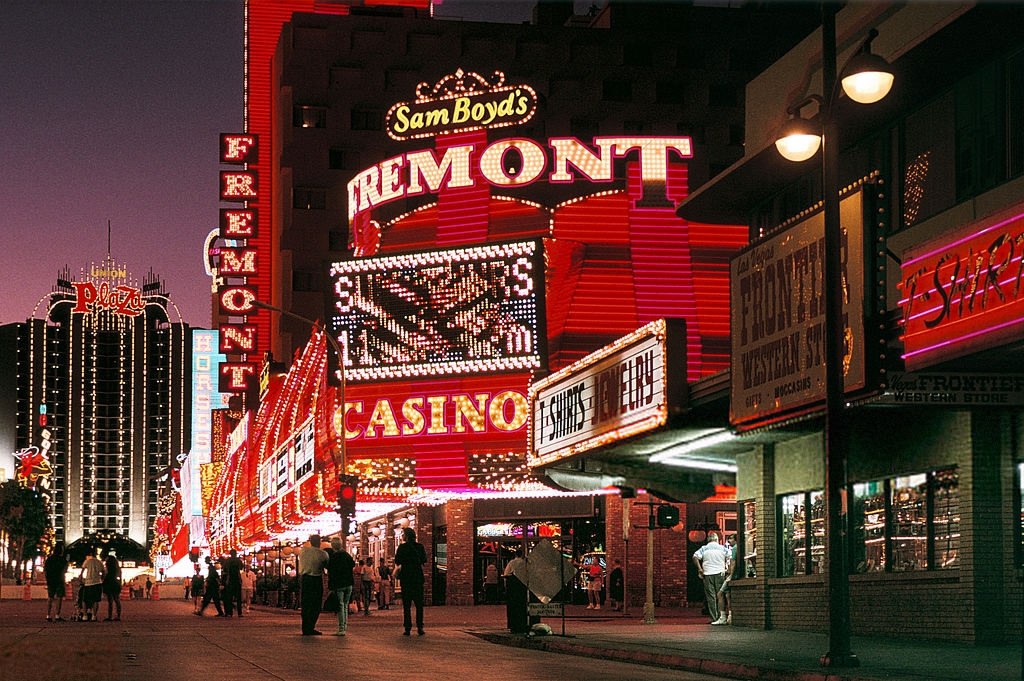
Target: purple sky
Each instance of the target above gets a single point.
(111, 110)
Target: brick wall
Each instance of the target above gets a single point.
(459, 519)
(978, 601)
(669, 553)
(425, 536)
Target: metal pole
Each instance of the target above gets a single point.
(626, 508)
(649, 602)
(839, 653)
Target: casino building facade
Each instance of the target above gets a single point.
(467, 207)
(101, 397)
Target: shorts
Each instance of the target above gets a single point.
(111, 588)
(92, 593)
(56, 589)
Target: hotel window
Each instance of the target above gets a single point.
(670, 92)
(304, 281)
(906, 523)
(337, 240)
(365, 120)
(801, 533)
(309, 116)
(309, 198)
(616, 91)
(343, 159)
(637, 54)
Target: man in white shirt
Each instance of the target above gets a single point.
(712, 561)
(312, 560)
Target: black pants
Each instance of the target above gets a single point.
(233, 599)
(516, 597)
(412, 593)
(312, 600)
(212, 595)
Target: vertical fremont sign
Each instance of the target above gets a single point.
(238, 228)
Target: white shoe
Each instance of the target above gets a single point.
(720, 620)
(728, 619)
(590, 607)
(597, 607)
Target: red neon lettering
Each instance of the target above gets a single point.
(121, 299)
(238, 261)
(237, 338)
(238, 148)
(238, 186)
(237, 299)
(85, 295)
(236, 375)
(238, 224)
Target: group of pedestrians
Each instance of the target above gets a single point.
(230, 589)
(95, 580)
(342, 572)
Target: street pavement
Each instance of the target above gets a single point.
(163, 640)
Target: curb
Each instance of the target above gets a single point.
(691, 664)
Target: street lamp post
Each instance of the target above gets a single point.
(836, 442)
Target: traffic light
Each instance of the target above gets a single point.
(347, 486)
(668, 516)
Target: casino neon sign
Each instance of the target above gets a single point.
(460, 102)
(238, 263)
(419, 172)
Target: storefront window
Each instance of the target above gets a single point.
(867, 526)
(793, 539)
(1020, 478)
(906, 523)
(909, 501)
(817, 531)
(749, 547)
(946, 514)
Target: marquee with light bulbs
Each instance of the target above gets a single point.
(443, 325)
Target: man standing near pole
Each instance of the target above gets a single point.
(312, 560)
(712, 561)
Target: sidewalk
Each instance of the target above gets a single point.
(681, 641)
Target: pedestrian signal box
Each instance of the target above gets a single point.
(668, 516)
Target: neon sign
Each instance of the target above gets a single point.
(436, 414)
(459, 102)
(239, 259)
(418, 172)
(962, 292)
(463, 310)
(123, 300)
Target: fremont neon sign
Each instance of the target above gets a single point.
(420, 172)
(238, 265)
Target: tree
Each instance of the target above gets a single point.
(23, 521)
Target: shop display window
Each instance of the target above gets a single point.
(906, 523)
(908, 496)
(946, 517)
(802, 531)
(867, 527)
(748, 544)
(1020, 499)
